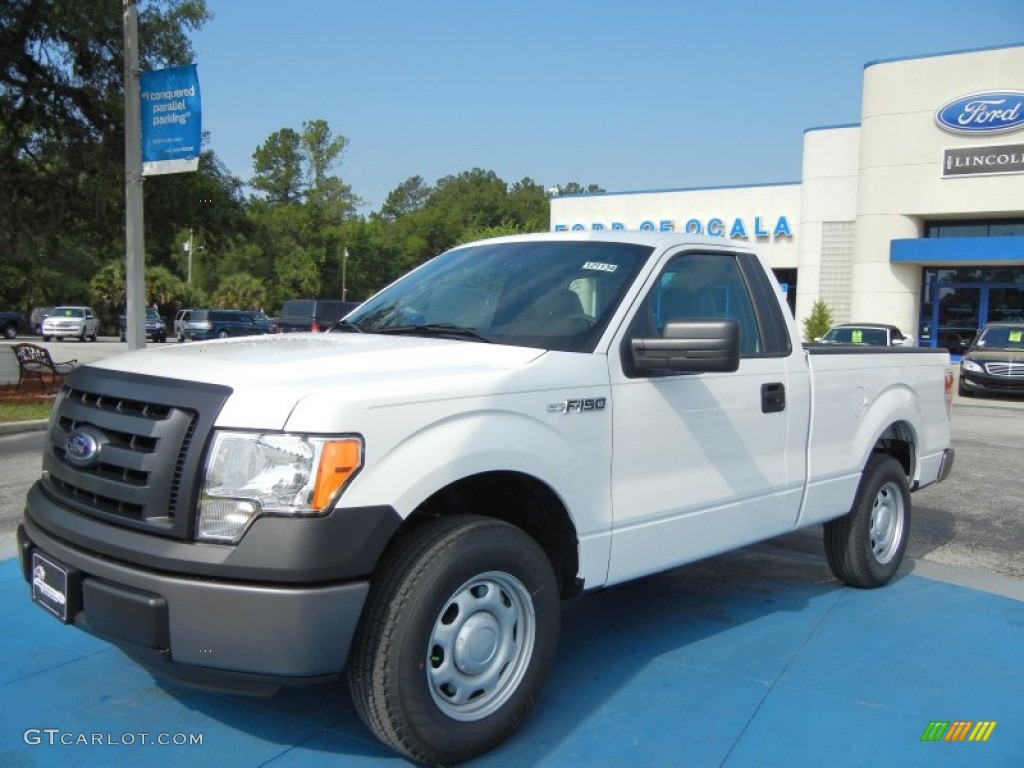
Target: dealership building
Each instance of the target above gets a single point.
(914, 216)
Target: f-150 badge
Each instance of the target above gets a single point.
(577, 405)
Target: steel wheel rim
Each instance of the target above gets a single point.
(887, 519)
(481, 645)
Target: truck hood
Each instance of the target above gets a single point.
(270, 374)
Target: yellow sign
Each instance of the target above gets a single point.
(1015, 336)
(857, 337)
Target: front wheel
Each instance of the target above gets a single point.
(10, 331)
(866, 546)
(456, 639)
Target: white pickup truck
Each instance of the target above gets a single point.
(406, 498)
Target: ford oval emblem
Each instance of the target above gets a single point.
(987, 112)
(81, 448)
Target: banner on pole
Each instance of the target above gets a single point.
(172, 123)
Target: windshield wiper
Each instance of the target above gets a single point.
(345, 325)
(434, 329)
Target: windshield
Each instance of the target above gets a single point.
(855, 336)
(546, 294)
(1002, 337)
(68, 312)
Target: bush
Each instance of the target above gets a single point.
(818, 322)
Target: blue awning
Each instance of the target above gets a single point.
(958, 250)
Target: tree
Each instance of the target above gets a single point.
(240, 291)
(573, 188)
(408, 197)
(62, 136)
(277, 167)
(818, 322)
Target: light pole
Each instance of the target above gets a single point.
(344, 270)
(190, 247)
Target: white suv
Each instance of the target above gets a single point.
(79, 322)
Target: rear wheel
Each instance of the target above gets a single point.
(866, 546)
(456, 639)
(10, 331)
(222, 335)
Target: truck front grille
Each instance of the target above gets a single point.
(125, 448)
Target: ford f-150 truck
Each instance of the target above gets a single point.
(405, 499)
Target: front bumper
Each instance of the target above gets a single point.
(278, 608)
(216, 634)
(984, 382)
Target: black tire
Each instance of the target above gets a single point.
(962, 391)
(222, 335)
(454, 578)
(83, 335)
(46, 338)
(10, 331)
(866, 546)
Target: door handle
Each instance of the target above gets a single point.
(773, 397)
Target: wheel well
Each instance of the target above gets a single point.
(898, 441)
(520, 500)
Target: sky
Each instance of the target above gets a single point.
(637, 95)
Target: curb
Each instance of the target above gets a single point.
(18, 427)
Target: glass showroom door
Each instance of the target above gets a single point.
(957, 316)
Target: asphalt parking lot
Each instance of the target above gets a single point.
(754, 658)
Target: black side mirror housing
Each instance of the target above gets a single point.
(690, 346)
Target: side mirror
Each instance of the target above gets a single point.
(691, 346)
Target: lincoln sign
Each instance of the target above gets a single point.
(983, 161)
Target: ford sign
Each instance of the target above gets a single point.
(988, 112)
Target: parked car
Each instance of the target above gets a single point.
(312, 314)
(181, 317)
(263, 321)
(995, 361)
(11, 323)
(36, 317)
(872, 334)
(79, 322)
(205, 324)
(156, 329)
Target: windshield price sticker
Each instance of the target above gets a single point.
(1015, 336)
(857, 337)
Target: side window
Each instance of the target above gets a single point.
(701, 286)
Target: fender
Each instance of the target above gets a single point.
(568, 453)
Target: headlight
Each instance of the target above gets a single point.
(250, 474)
(973, 367)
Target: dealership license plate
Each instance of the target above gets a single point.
(50, 585)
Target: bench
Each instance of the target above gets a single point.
(34, 362)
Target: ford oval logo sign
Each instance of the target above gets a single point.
(81, 448)
(988, 112)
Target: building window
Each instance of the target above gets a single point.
(997, 228)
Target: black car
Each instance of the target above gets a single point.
(995, 361)
(156, 329)
(312, 314)
(206, 324)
